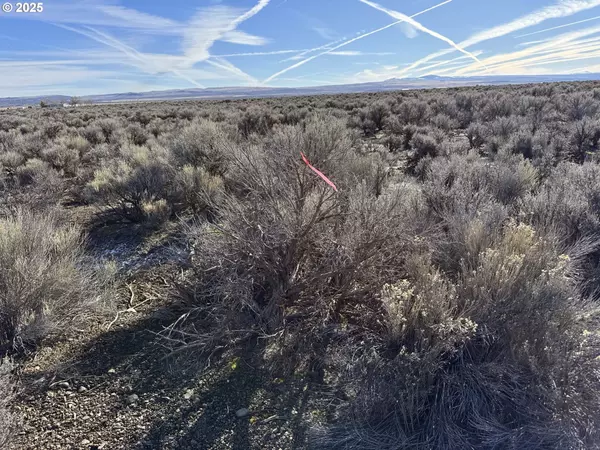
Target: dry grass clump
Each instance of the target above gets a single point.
(46, 286)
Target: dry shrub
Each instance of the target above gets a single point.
(37, 184)
(200, 145)
(470, 199)
(93, 134)
(255, 120)
(140, 176)
(520, 143)
(52, 130)
(371, 119)
(585, 135)
(65, 154)
(46, 285)
(567, 202)
(108, 127)
(486, 361)
(423, 146)
(412, 111)
(11, 159)
(136, 134)
(288, 257)
(197, 189)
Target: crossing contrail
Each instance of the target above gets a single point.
(350, 41)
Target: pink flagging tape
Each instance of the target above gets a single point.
(318, 172)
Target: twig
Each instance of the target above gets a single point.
(131, 308)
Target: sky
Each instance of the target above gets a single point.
(106, 46)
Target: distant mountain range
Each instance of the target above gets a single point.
(426, 82)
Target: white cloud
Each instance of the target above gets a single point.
(242, 38)
(218, 23)
(207, 26)
(562, 8)
(325, 33)
(300, 55)
(227, 66)
(275, 52)
(408, 30)
(136, 18)
(101, 14)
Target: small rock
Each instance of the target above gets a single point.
(112, 371)
(64, 384)
(50, 394)
(243, 412)
(133, 398)
(81, 389)
(188, 394)
(85, 442)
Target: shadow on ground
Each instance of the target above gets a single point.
(146, 400)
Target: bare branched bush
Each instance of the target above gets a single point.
(289, 253)
(579, 106)
(137, 134)
(65, 155)
(567, 202)
(423, 146)
(377, 114)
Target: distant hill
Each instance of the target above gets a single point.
(426, 82)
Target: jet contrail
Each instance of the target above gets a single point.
(311, 50)
(562, 8)
(565, 44)
(276, 52)
(110, 41)
(418, 26)
(250, 13)
(343, 44)
(226, 65)
(140, 56)
(560, 26)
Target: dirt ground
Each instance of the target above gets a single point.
(113, 386)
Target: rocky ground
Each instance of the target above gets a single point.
(113, 386)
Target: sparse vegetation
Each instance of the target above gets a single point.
(445, 296)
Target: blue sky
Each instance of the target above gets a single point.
(103, 46)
